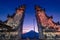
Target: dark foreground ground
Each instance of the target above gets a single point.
(39, 39)
(30, 39)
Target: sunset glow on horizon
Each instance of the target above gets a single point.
(29, 28)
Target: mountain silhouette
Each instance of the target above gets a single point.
(30, 34)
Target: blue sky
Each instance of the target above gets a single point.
(8, 7)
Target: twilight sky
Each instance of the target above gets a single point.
(8, 7)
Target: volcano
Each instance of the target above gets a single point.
(30, 34)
